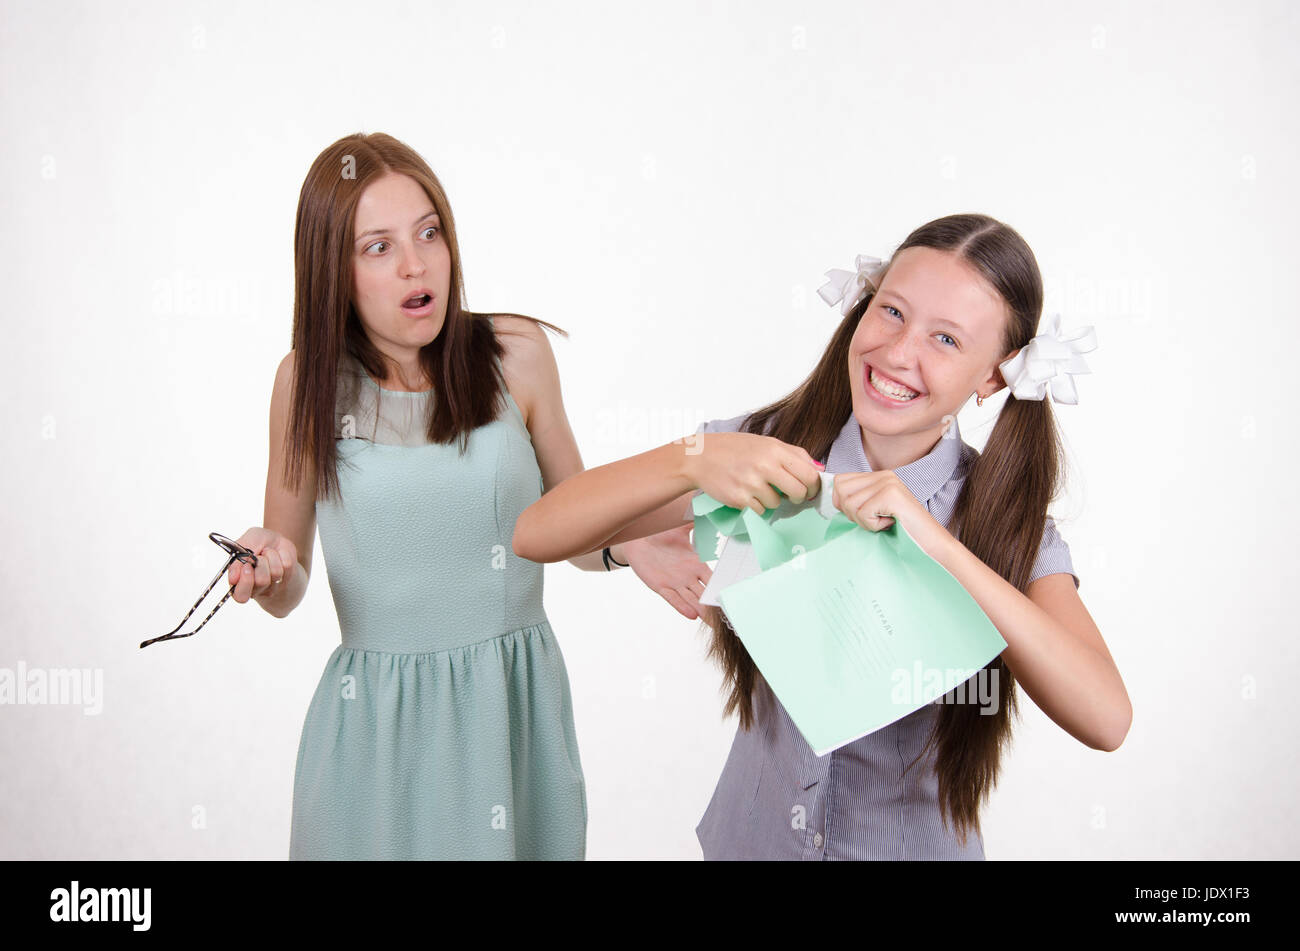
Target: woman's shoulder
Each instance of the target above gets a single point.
(525, 351)
(527, 361)
(284, 375)
(514, 330)
(732, 424)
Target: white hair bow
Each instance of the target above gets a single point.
(846, 287)
(1047, 362)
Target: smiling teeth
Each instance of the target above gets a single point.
(892, 390)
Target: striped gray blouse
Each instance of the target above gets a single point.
(777, 800)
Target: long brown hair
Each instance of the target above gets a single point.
(1000, 513)
(463, 361)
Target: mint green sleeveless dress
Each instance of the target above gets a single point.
(442, 726)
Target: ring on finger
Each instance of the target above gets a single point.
(267, 554)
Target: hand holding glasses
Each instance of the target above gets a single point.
(238, 553)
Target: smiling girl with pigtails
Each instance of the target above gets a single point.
(953, 314)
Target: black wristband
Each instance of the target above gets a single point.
(606, 557)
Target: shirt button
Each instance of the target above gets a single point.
(818, 840)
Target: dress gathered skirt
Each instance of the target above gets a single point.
(442, 725)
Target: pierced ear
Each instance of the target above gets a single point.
(996, 378)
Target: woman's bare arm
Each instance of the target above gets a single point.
(286, 515)
(631, 498)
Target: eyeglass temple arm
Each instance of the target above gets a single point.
(172, 633)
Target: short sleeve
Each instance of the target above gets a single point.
(714, 426)
(1053, 555)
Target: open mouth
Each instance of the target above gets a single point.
(889, 389)
(416, 302)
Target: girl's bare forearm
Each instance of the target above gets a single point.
(594, 560)
(1079, 688)
(584, 511)
(283, 598)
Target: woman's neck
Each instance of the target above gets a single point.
(405, 374)
(895, 451)
(401, 385)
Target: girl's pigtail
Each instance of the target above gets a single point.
(1000, 516)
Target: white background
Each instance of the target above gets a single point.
(668, 182)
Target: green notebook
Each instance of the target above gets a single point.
(852, 629)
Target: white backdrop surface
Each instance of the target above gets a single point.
(668, 182)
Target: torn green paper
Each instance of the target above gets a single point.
(777, 535)
(852, 629)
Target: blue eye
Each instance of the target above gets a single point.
(951, 341)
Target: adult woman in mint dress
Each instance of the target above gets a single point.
(416, 432)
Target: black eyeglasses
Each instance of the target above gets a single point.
(237, 553)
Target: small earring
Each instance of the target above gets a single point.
(979, 400)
